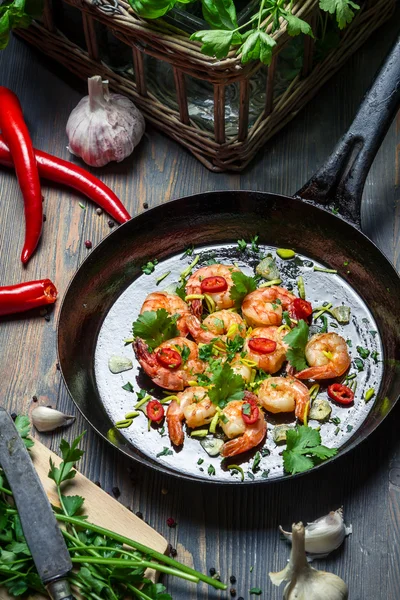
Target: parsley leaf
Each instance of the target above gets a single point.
(184, 352)
(234, 346)
(304, 449)
(295, 26)
(258, 45)
(205, 352)
(216, 42)
(342, 9)
(149, 267)
(297, 340)
(363, 352)
(23, 427)
(227, 386)
(128, 387)
(242, 245)
(164, 452)
(72, 504)
(242, 285)
(220, 14)
(70, 454)
(155, 327)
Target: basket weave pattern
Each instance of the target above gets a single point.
(212, 147)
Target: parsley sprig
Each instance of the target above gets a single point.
(242, 285)
(226, 386)
(304, 450)
(155, 327)
(297, 340)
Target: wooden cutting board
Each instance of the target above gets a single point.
(100, 508)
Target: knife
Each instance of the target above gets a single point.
(41, 531)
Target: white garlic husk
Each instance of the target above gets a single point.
(324, 535)
(104, 127)
(305, 582)
(48, 419)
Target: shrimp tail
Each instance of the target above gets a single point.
(195, 330)
(142, 353)
(174, 423)
(247, 441)
(196, 306)
(321, 372)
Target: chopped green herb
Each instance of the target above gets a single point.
(83, 207)
(211, 470)
(335, 420)
(155, 327)
(374, 356)
(242, 285)
(304, 449)
(349, 428)
(250, 475)
(334, 210)
(185, 352)
(246, 409)
(205, 352)
(265, 474)
(349, 343)
(256, 591)
(324, 328)
(162, 277)
(297, 340)
(359, 364)
(265, 452)
(254, 243)
(164, 452)
(128, 387)
(286, 318)
(188, 252)
(234, 346)
(337, 430)
(363, 352)
(334, 325)
(149, 267)
(251, 569)
(373, 332)
(200, 461)
(256, 462)
(242, 245)
(346, 262)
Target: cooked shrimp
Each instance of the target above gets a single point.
(222, 299)
(169, 378)
(195, 406)
(241, 369)
(172, 304)
(270, 362)
(246, 436)
(222, 324)
(284, 394)
(264, 306)
(327, 355)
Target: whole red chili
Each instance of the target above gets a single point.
(169, 358)
(24, 296)
(300, 309)
(214, 284)
(66, 173)
(250, 410)
(16, 135)
(155, 411)
(341, 394)
(262, 345)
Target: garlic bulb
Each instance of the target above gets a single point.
(324, 535)
(104, 127)
(306, 583)
(48, 419)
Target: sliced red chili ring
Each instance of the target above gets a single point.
(341, 393)
(250, 411)
(300, 309)
(155, 411)
(214, 284)
(262, 345)
(171, 359)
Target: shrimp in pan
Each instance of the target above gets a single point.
(222, 324)
(216, 282)
(172, 304)
(166, 366)
(265, 306)
(192, 405)
(265, 346)
(245, 436)
(327, 355)
(284, 394)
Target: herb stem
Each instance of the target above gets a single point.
(122, 562)
(323, 270)
(6, 491)
(141, 548)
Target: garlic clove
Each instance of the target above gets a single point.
(324, 535)
(119, 364)
(306, 583)
(104, 127)
(48, 419)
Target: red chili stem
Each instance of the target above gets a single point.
(24, 296)
(16, 135)
(61, 171)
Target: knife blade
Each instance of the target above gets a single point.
(41, 531)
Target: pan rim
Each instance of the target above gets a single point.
(351, 445)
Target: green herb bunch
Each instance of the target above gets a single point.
(107, 566)
(251, 38)
(17, 13)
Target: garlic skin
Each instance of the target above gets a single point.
(306, 583)
(324, 535)
(104, 127)
(48, 419)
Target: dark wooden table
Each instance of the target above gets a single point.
(233, 530)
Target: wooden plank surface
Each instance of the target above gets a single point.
(100, 508)
(233, 530)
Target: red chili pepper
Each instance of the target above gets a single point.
(16, 135)
(169, 358)
(250, 411)
(214, 284)
(262, 345)
(155, 411)
(24, 296)
(341, 394)
(300, 309)
(66, 173)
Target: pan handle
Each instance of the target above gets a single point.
(339, 183)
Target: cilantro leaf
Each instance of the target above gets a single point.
(23, 426)
(304, 449)
(258, 45)
(216, 42)
(242, 285)
(72, 504)
(149, 267)
(220, 14)
(155, 327)
(227, 386)
(295, 26)
(128, 387)
(297, 340)
(70, 454)
(342, 9)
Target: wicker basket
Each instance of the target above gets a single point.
(221, 110)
